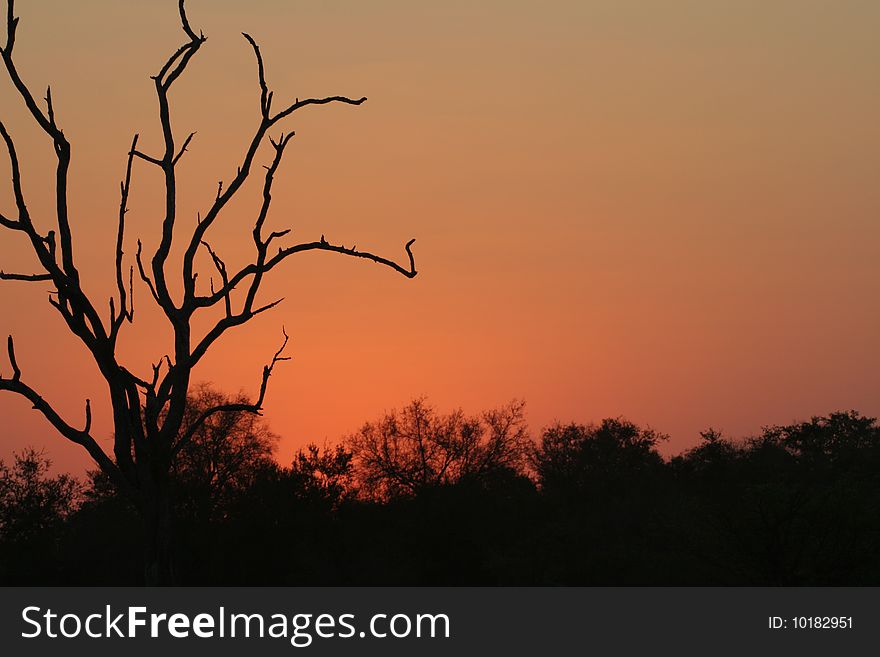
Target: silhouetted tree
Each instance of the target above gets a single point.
(838, 440)
(223, 456)
(574, 456)
(605, 502)
(284, 526)
(150, 426)
(325, 474)
(796, 504)
(407, 451)
(33, 507)
(30, 499)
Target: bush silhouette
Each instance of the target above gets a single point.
(454, 499)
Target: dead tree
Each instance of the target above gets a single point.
(148, 411)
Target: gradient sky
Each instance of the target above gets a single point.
(663, 210)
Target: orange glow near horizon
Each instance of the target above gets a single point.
(662, 210)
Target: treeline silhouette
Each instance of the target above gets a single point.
(424, 498)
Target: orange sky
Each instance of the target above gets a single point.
(666, 210)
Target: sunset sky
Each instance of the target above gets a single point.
(667, 210)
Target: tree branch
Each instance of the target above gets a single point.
(85, 321)
(80, 437)
(221, 269)
(322, 245)
(144, 277)
(299, 104)
(183, 148)
(23, 215)
(11, 224)
(125, 310)
(186, 28)
(243, 171)
(10, 350)
(4, 276)
(265, 95)
(255, 407)
(147, 158)
(172, 69)
(60, 143)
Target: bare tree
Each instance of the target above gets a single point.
(149, 411)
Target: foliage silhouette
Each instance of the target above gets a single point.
(34, 510)
(223, 457)
(406, 452)
(797, 504)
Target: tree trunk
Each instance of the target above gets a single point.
(158, 554)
